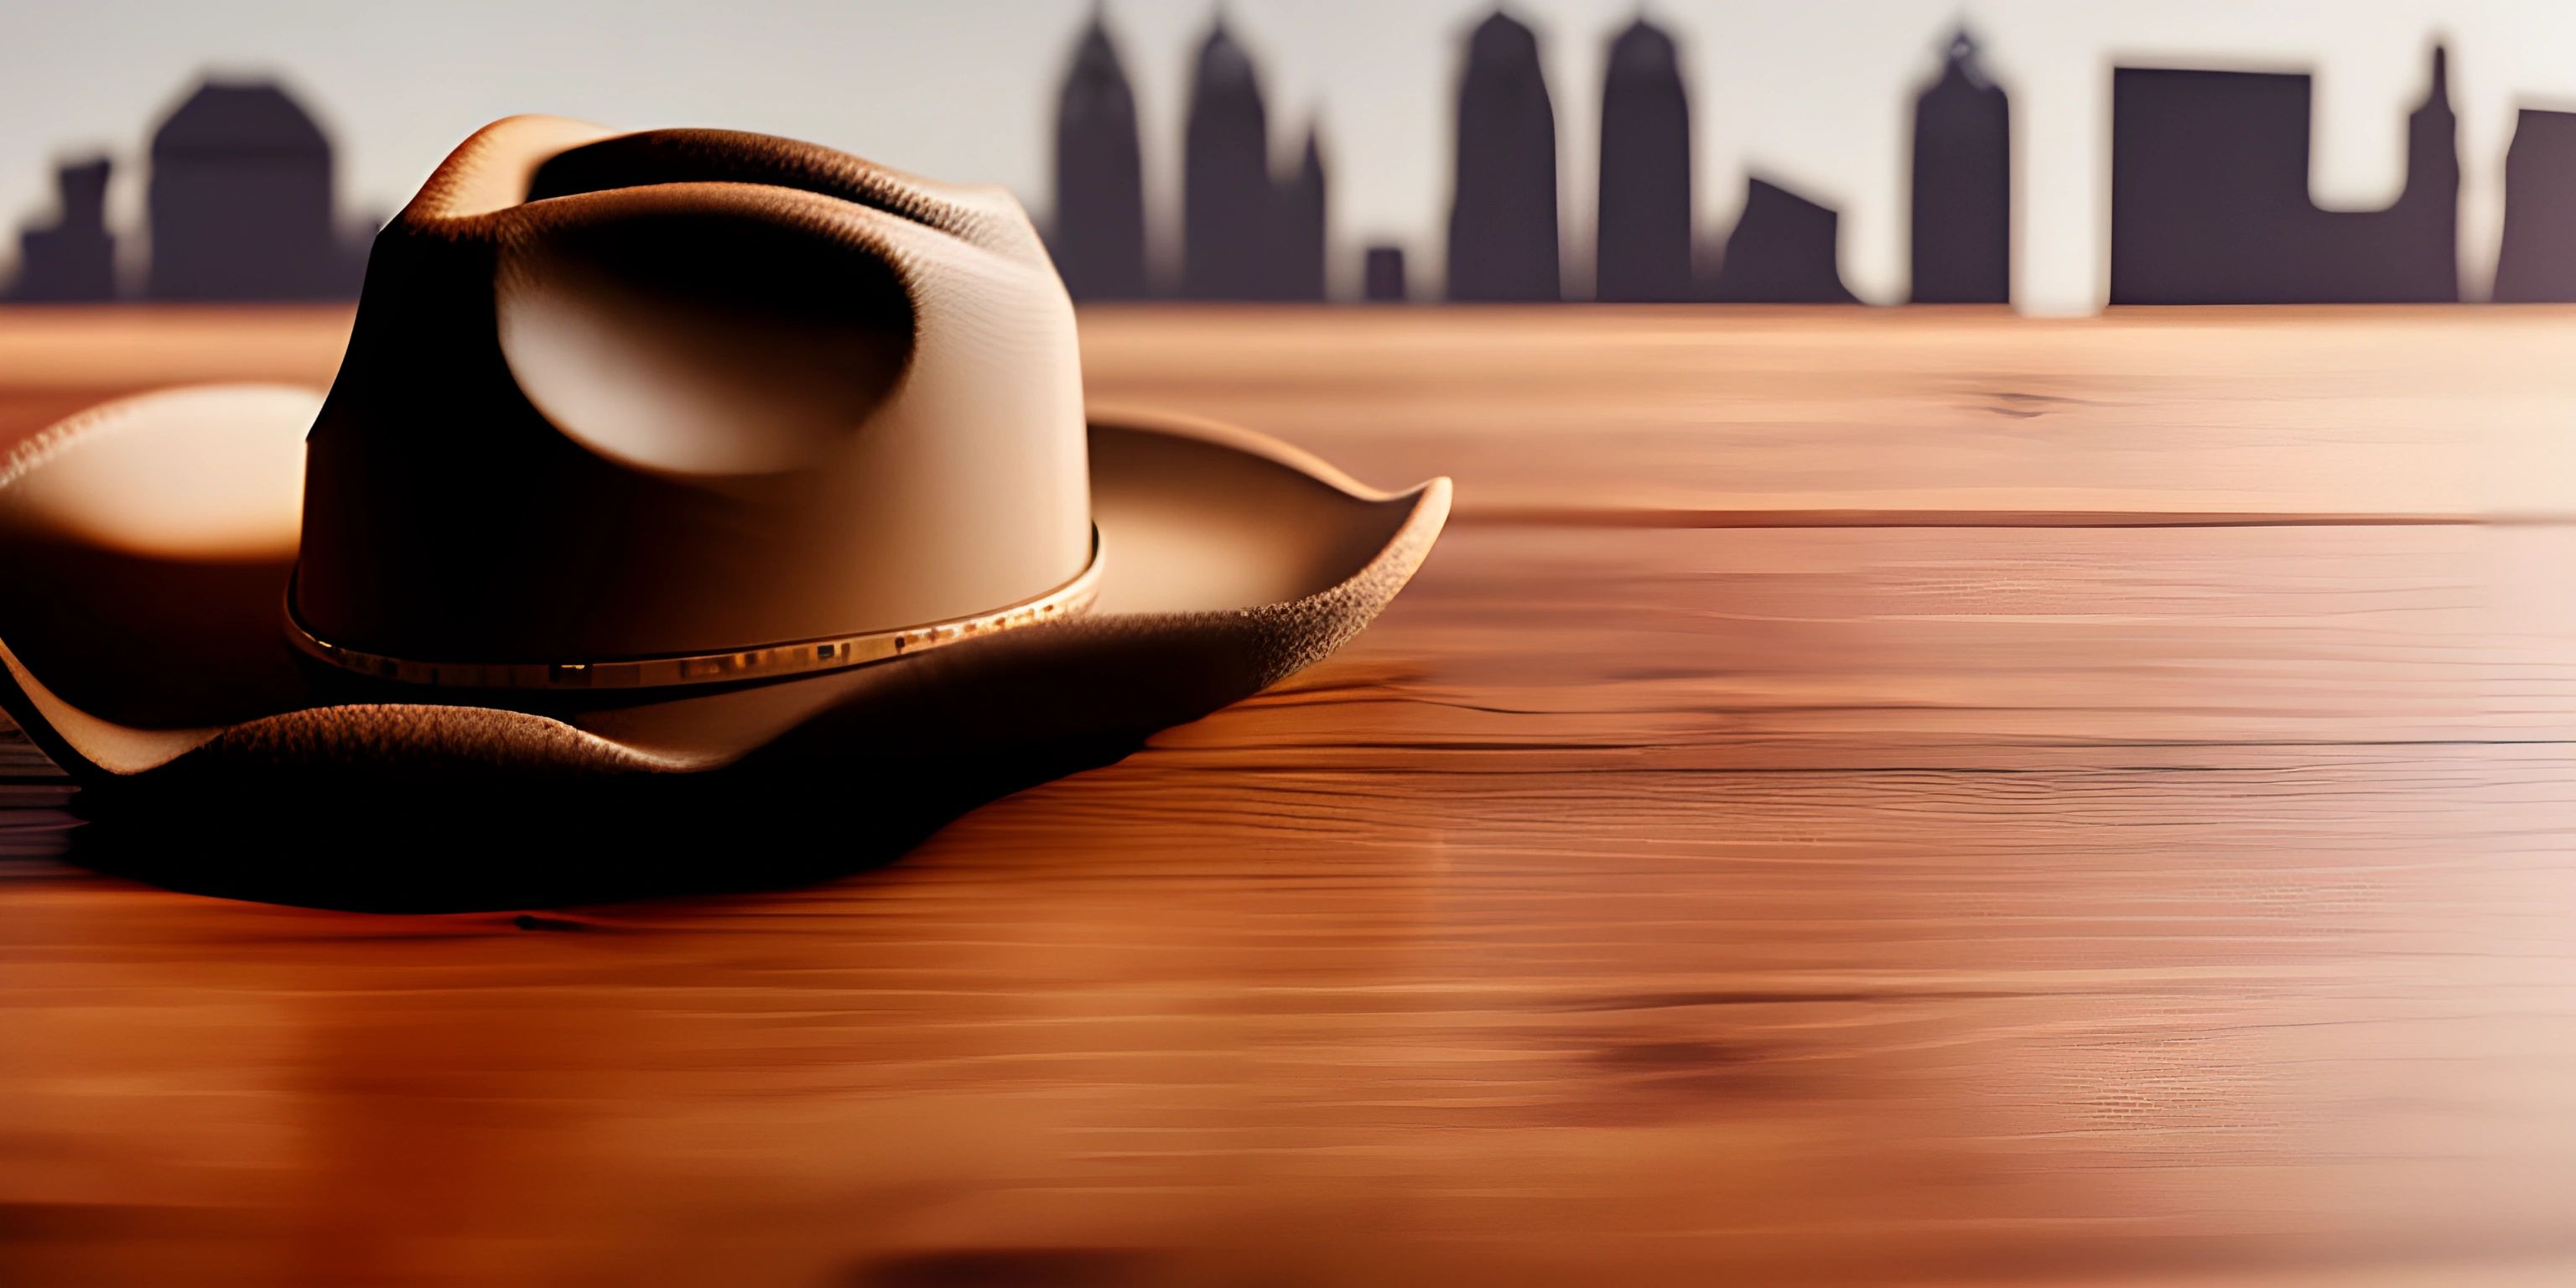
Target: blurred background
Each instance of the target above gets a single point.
(2337, 161)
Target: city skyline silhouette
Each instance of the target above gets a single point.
(2209, 200)
(240, 204)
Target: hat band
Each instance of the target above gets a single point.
(766, 661)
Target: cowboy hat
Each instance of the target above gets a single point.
(677, 458)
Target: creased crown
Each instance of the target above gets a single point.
(685, 391)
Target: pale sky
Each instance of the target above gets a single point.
(1813, 93)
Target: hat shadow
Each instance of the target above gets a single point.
(458, 828)
(439, 842)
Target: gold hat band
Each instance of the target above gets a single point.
(802, 657)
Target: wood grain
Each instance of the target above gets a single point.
(1857, 798)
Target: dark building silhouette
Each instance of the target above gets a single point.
(1384, 274)
(1503, 241)
(1301, 227)
(74, 257)
(1099, 233)
(1784, 250)
(1229, 206)
(2210, 205)
(241, 201)
(1245, 235)
(2537, 261)
(1644, 251)
(1962, 216)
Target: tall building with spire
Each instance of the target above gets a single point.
(2428, 211)
(1301, 227)
(1503, 239)
(1962, 215)
(1643, 251)
(1229, 205)
(1099, 228)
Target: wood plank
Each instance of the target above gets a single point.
(1765, 649)
(1864, 1026)
(1900, 414)
(1534, 648)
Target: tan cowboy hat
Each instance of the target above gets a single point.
(677, 458)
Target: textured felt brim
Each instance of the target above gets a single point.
(145, 547)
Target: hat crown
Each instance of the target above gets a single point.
(687, 391)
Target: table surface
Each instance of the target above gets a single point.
(1856, 797)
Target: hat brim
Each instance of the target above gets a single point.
(145, 548)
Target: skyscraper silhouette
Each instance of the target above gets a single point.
(1962, 184)
(2426, 218)
(1502, 221)
(74, 257)
(1099, 233)
(2210, 205)
(2537, 261)
(1785, 250)
(1644, 247)
(1383, 276)
(241, 201)
(1301, 226)
(1229, 205)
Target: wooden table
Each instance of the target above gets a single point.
(1856, 797)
